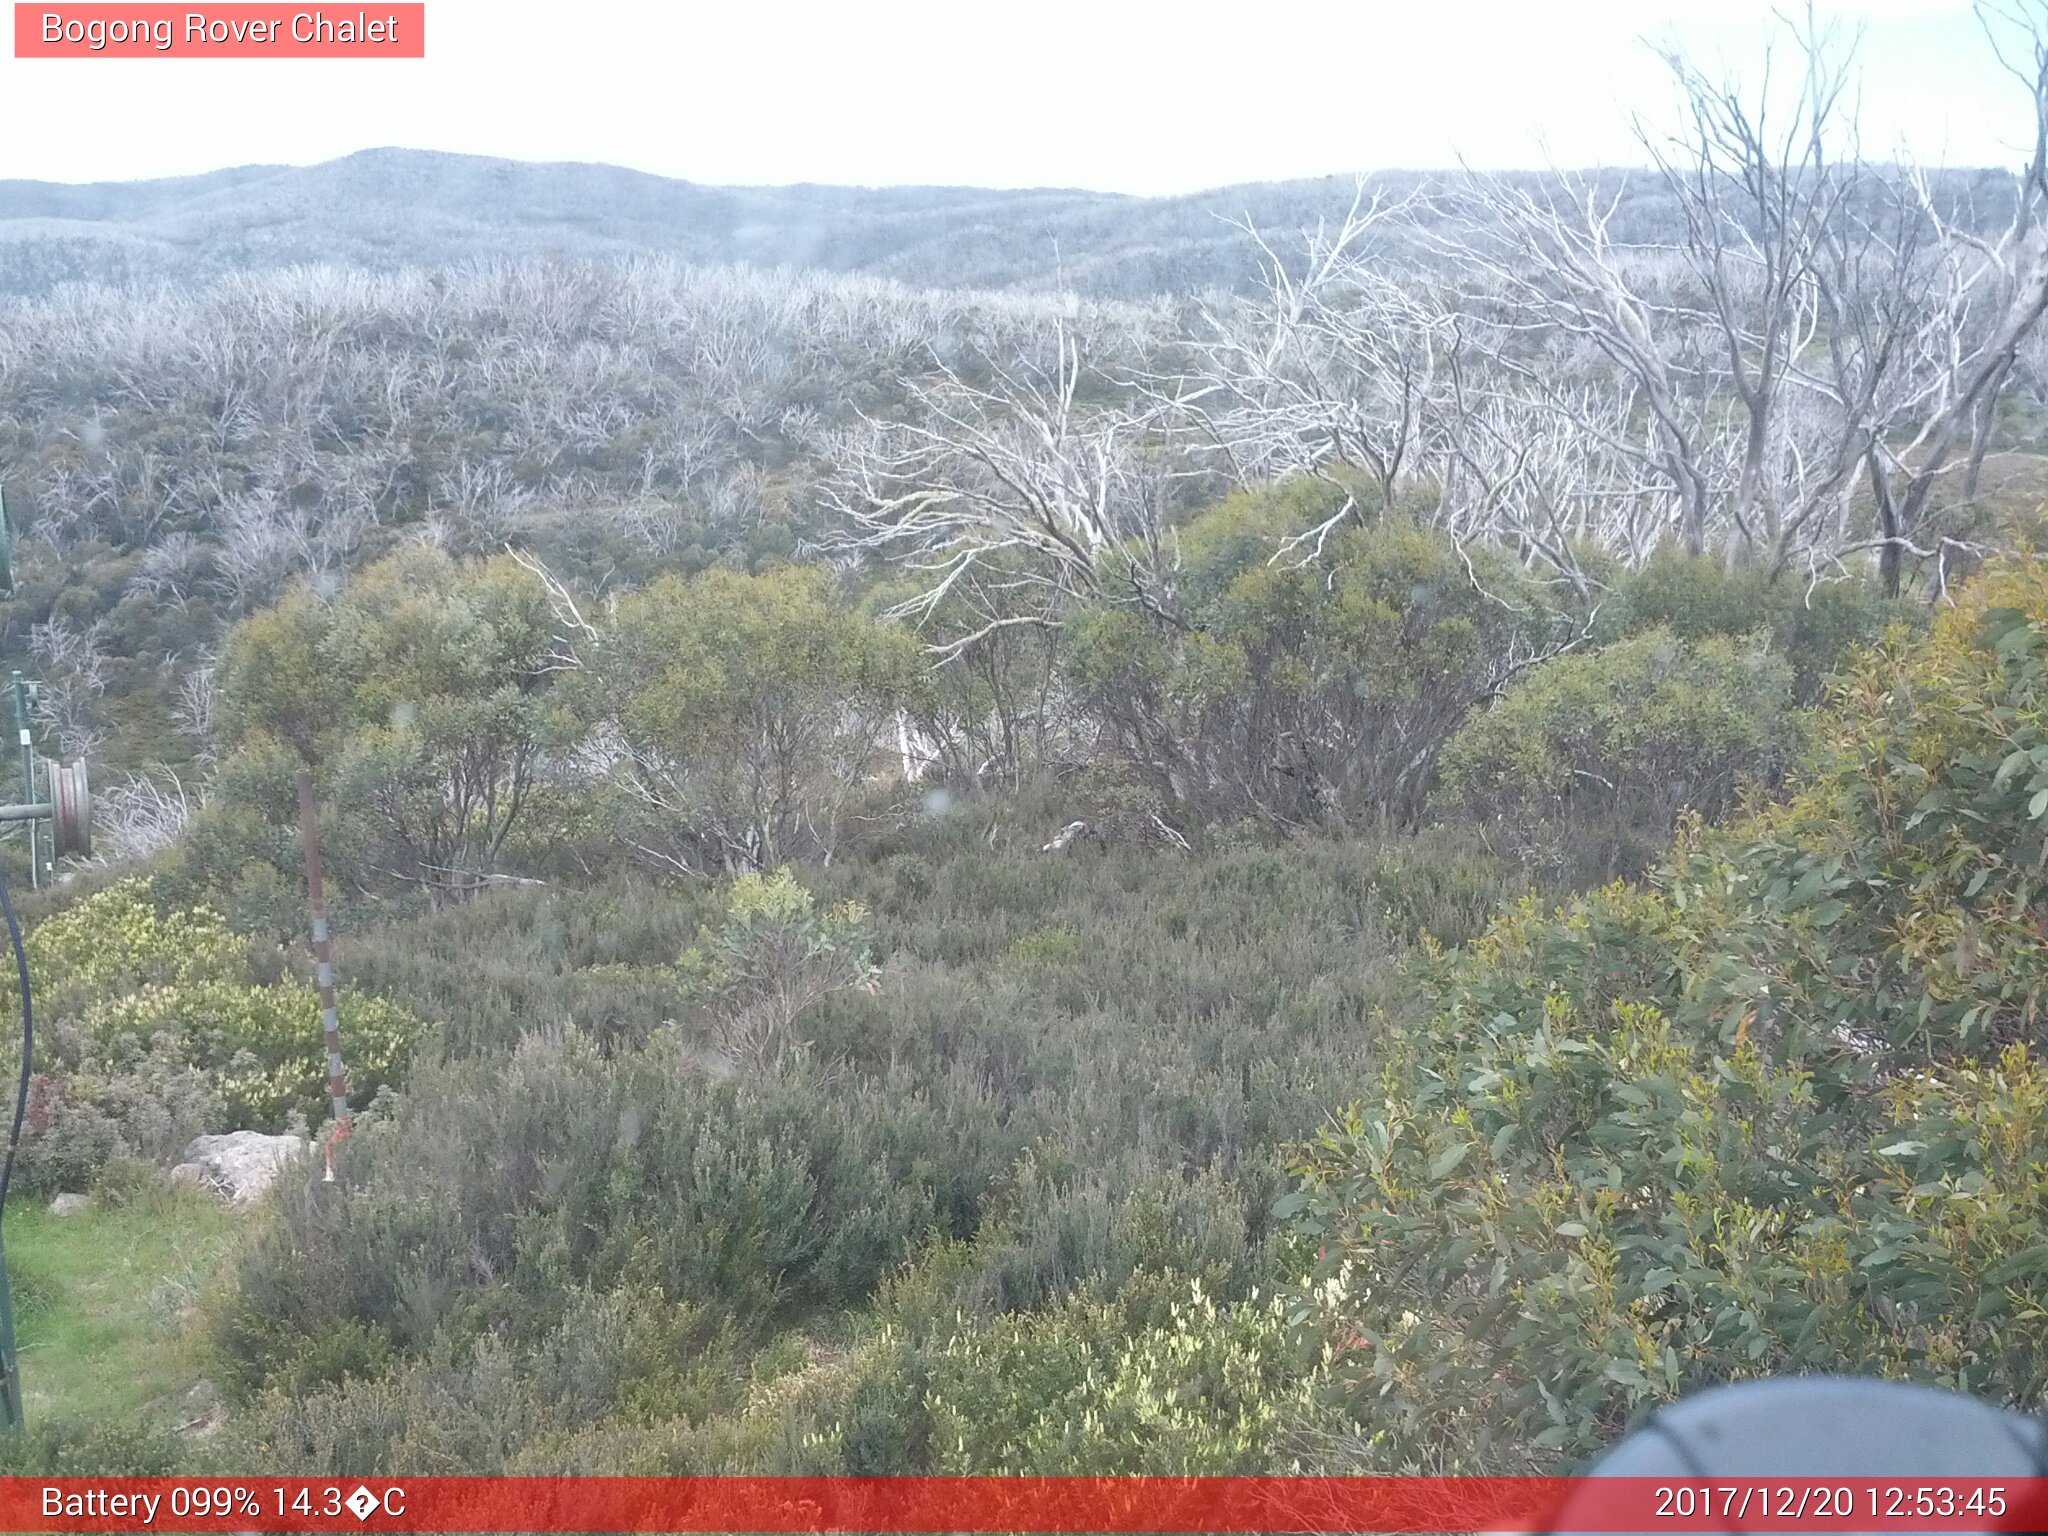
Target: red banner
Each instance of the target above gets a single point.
(223, 31)
(1023, 1504)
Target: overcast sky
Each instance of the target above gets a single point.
(1120, 95)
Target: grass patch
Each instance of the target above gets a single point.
(105, 1305)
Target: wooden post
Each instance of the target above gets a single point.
(323, 958)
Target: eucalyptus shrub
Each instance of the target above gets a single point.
(1782, 1113)
(157, 1030)
(1588, 760)
(421, 697)
(745, 714)
(774, 957)
(1815, 627)
(1309, 681)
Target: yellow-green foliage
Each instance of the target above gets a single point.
(775, 956)
(452, 646)
(1784, 1114)
(1558, 1216)
(702, 656)
(261, 1046)
(1902, 886)
(779, 898)
(122, 980)
(1306, 681)
(1075, 1390)
(752, 706)
(116, 942)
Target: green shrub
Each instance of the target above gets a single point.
(115, 943)
(241, 854)
(144, 1107)
(1043, 1238)
(1441, 884)
(1081, 1387)
(1309, 684)
(495, 1185)
(1066, 1099)
(154, 1031)
(1814, 627)
(1896, 893)
(1559, 1219)
(1014, 1123)
(262, 1049)
(1781, 1115)
(600, 958)
(618, 1364)
(420, 693)
(752, 713)
(1589, 758)
(1076, 1391)
(773, 958)
(72, 1449)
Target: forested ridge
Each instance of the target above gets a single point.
(392, 209)
(1373, 852)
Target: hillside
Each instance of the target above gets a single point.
(978, 831)
(385, 209)
(389, 208)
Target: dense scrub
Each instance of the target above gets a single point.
(1001, 1190)
(784, 1102)
(876, 832)
(473, 723)
(1068, 1088)
(1781, 1112)
(166, 1025)
(1307, 685)
(1591, 759)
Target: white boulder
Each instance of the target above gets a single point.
(240, 1165)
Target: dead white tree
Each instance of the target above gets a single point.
(72, 667)
(1332, 368)
(573, 634)
(141, 816)
(1816, 321)
(1950, 326)
(1551, 478)
(1760, 188)
(1013, 497)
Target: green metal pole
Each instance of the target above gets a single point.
(10, 1373)
(28, 779)
(28, 782)
(10, 1365)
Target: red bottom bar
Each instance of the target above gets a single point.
(1024, 1504)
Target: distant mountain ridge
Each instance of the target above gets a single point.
(388, 208)
(397, 207)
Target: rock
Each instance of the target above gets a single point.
(240, 1165)
(709, 1060)
(204, 1409)
(1066, 835)
(69, 1205)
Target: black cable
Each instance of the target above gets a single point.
(28, 1041)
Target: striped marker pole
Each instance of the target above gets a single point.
(323, 958)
